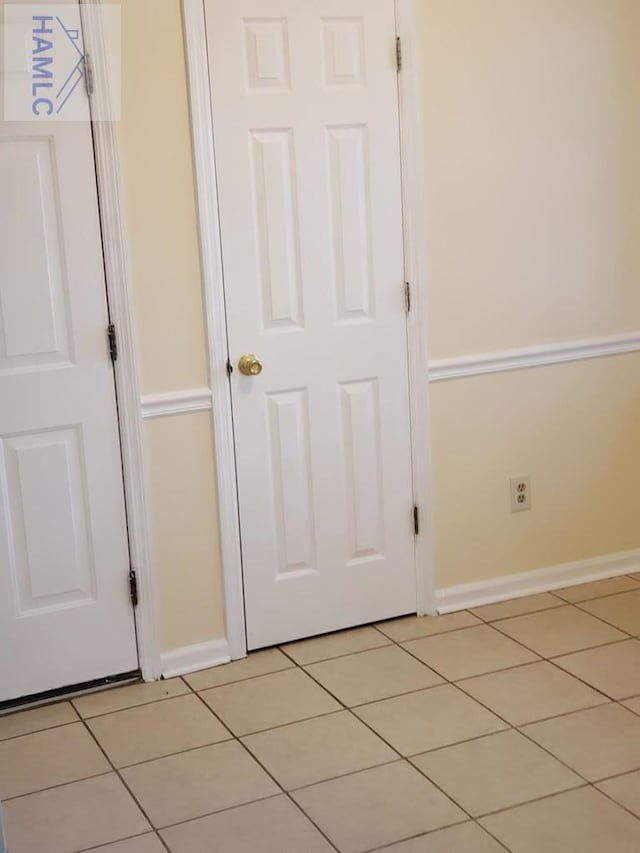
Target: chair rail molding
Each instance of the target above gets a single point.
(459, 367)
(171, 403)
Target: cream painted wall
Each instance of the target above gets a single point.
(163, 244)
(575, 428)
(186, 545)
(158, 173)
(532, 125)
(532, 111)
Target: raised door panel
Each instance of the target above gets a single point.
(351, 220)
(292, 482)
(276, 216)
(47, 520)
(361, 441)
(33, 278)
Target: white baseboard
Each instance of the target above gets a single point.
(493, 590)
(192, 658)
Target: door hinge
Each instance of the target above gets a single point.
(133, 587)
(113, 342)
(399, 54)
(407, 293)
(416, 521)
(89, 82)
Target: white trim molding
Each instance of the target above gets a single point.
(120, 299)
(194, 658)
(194, 25)
(508, 587)
(443, 369)
(415, 253)
(176, 403)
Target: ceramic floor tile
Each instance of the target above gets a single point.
(516, 607)
(614, 670)
(429, 719)
(257, 663)
(586, 591)
(36, 720)
(316, 750)
(151, 731)
(622, 611)
(597, 743)
(532, 692)
(633, 704)
(270, 826)
(33, 762)
(559, 631)
(377, 807)
(496, 772)
(464, 838)
(195, 783)
(473, 651)
(412, 627)
(373, 675)
(149, 843)
(271, 700)
(624, 790)
(581, 821)
(116, 699)
(335, 645)
(73, 817)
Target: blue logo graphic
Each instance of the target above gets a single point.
(57, 64)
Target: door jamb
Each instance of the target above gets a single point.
(414, 214)
(412, 147)
(120, 299)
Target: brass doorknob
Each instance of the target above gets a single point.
(249, 365)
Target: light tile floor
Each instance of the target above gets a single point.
(513, 727)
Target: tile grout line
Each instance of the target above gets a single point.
(524, 734)
(119, 841)
(59, 785)
(402, 759)
(274, 780)
(124, 783)
(143, 704)
(39, 731)
(432, 832)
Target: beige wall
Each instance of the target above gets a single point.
(532, 133)
(163, 244)
(532, 128)
(532, 119)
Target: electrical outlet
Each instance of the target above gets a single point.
(521, 493)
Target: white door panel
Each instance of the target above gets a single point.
(65, 613)
(307, 146)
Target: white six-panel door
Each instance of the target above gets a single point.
(306, 136)
(65, 612)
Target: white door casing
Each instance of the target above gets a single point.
(307, 146)
(65, 612)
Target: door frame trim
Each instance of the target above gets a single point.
(412, 146)
(206, 188)
(120, 299)
(414, 215)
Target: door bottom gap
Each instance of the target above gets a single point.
(47, 697)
